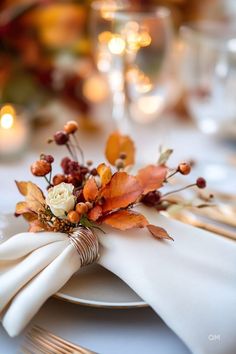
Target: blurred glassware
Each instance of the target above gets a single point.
(14, 131)
(209, 76)
(133, 50)
(101, 25)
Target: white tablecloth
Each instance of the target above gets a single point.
(109, 331)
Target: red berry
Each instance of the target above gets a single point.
(48, 158)
(94, 172)
(61, 138)
(65, 164)
(201, 182)
(79, 195)
(151, 198)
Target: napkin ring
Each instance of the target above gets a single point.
(86, 244)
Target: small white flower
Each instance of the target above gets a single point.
(60, 199)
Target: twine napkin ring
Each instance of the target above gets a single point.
(86, 243)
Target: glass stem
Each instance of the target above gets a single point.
(120, 110)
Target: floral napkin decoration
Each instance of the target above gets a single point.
(84, 195)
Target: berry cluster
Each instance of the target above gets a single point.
(158, 200)
(74, 172)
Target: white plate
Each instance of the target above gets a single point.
(91, 286)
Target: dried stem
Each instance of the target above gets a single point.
(47, 180)
(172, 174)
(79, 148)
(179, 190)
(70, 151)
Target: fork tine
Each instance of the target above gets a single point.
(64, 344)
(25, 350)
(45, 344)
(37, 346)
(32, 348)
(61, 347)
(40, 341)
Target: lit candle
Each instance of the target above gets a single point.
(13, 132)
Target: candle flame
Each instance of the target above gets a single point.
(7, 121)
(7, 116)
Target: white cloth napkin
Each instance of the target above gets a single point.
(190, 283)
(46, 261)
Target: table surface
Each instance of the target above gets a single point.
(107, 330)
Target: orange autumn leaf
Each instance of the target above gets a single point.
(22, 208)
(90, 190)
(117, 144)
(151, 177)
(34, 198)
(95, 213)
(159, 232)
(22, 187)
(122, 190)
(105, 173)
(30, 216)
(125, 219)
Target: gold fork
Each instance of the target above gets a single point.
(41, 341)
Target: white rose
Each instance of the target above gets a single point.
(60, 199)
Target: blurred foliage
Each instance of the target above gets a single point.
(35, 36)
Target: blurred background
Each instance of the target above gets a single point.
(115, 61)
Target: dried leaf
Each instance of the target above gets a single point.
(30, 216)
(37, 226)
(22, 187)
(90, 190)
(95, 213)
(122, 190)
(34, 197)
(105, 173)
(117, 144)
(164, 156)
(21, 208)
(125, 219)
(151, 177)
(159, 232)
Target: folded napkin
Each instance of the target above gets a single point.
(190, 283)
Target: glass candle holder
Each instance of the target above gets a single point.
(14, 131)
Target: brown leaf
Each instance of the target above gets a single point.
(95, 213)
(125, 219)
(30, 216)
(105, 173)
(90, 190)
(122, 190)
(34, 197)
(21, 208)
(22, 187)
(117, 144)
(159, 232)
(37, 226)
(151, 177)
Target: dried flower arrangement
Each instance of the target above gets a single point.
(87, 196)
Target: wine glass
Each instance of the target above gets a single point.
(101, 25)
(133, 50)
(209, 75)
